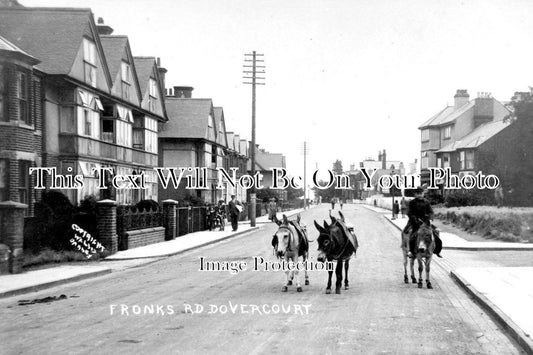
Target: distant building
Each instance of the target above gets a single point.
(451, 137)
(264, 162)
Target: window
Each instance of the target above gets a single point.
(469, 157)
(108, 131)
(462, 159)
(439, 162)
(3, 112)
(213, 154)
(126, 80)
(447, 132)
(150, 135)
(446, 160)
(152, 100)
(22, 96)
(89, 59)
(24, 181)
(425, 134)
(425, 160)
(4, 163)
(87, 122)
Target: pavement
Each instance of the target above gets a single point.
(504, 292)
(36, 280)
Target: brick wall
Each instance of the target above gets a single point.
(140, 237)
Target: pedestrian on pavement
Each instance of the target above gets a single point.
(341, 203)
(420, 211)
(234, 213)
(272, 209)
(333, 203)
(395, 209)
(403, 207)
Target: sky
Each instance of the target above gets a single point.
(351, 77)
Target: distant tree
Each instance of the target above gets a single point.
(337, 167)
(293, 194)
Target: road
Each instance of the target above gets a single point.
(379, 314)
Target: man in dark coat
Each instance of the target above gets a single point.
(420, 211)
(234, 213)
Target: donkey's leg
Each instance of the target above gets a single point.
(297, 275)
(346, 267)
(306, 275)
(287, 276)
(338, 273)
(412, 265)
(420, 269)
(428, 262)
(405, 278)
(328, 287)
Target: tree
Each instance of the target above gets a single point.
(337, 167)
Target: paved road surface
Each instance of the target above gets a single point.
(378, 315)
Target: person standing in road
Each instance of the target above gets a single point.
(234, 213)
(403, 207)
(272, 209)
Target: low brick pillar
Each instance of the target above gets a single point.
(107, 225)
(12, 233)
(169, 219)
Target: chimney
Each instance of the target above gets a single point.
(183, 91)
(379, 155)
(102, 28)
(461, 97)
(162, 71)
(384, 160)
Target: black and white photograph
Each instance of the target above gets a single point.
(266, 177)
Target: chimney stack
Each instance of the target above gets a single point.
(461, 98)
(384, 160)
(162, 72)
(183, 91)
(102, 28)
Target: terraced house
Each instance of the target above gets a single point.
(21, 124)
(100, 110)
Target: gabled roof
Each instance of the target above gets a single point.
(145, 69)
(9, 48)
(117, 48)
(477, 137)
(219, 120)
(448, 115)
(54, 35)
(187, 118)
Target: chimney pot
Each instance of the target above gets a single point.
(102, 28)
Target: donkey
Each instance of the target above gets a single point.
(425, 242)
(290, 242)
(336, 242)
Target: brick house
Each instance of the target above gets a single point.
(92, 97)
(450, 138)
(191, 139)
(21, 123)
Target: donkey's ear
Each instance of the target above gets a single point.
(326, 225)
(276, 220)
(285, 220)
(298, 218)
(319, 227)
(333, 219)
(342, 216)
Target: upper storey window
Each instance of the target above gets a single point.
(89, 62)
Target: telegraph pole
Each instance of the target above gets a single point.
(305, 152)
(250, 76)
